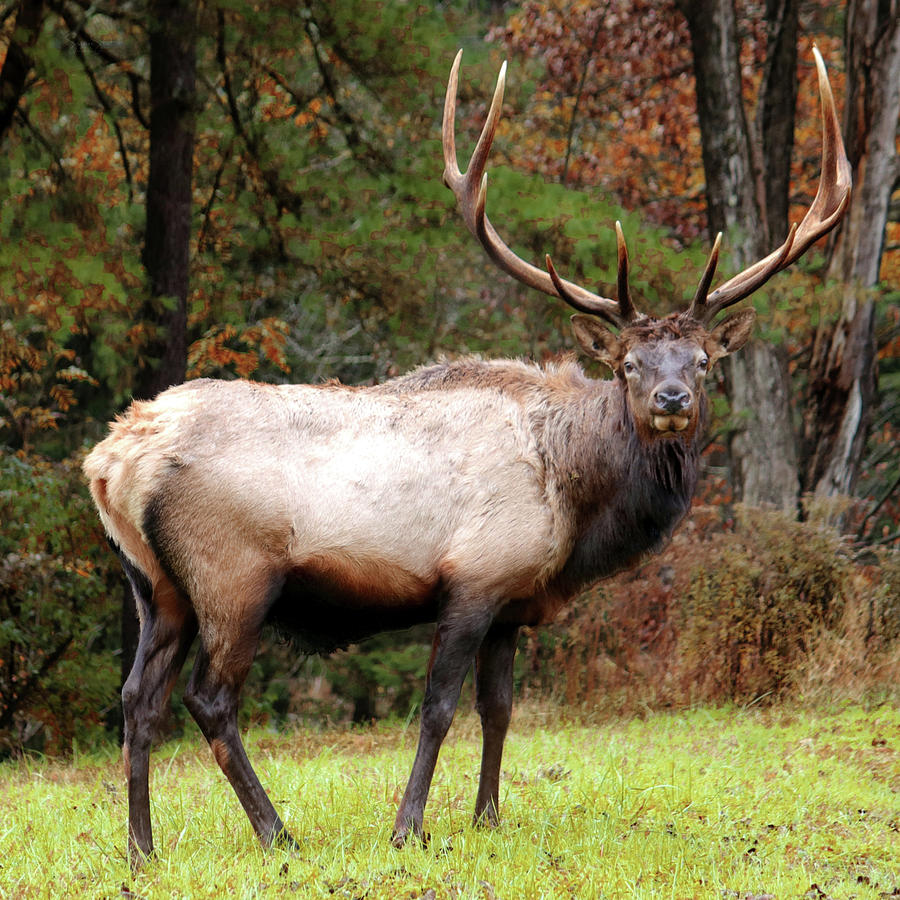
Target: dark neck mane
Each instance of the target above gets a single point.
(641, 491)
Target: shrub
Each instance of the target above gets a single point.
(752, 610)
(381, 677)
(59, 608)
(748, 616)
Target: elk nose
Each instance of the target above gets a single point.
(672, 399)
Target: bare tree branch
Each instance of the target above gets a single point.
(109, 110)
(283, 195)
(207, 208)
(369, 155)
(592, 50)
(16, 702)
(80, 35)
(38, 135)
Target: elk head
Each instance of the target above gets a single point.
(662, 362)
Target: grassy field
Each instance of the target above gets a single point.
(705, 803)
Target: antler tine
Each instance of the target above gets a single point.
(629, 313)
(610, 313)
(708, 274)
(470, 190)
(454, 179)
(826, 210)
(624, 311)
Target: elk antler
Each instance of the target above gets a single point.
(827, 208)
(470, 190)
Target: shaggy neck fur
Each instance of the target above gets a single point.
(630, 493)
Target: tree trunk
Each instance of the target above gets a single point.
(169, 199)
(841, 390)
(18, 62)
(763, 444)
(732, 205)
(871, 111)
(763, 450)
(169, 205)
(842, 372)
(775, 116)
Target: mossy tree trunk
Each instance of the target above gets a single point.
(842, 372)
(744, 203)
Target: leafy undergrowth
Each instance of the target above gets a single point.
(705, 803)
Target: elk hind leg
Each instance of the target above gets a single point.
(167, 630)
(493, 700)
(212, 697)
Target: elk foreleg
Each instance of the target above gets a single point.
(456, 640)
(212, 697)
(168, 628)
(493, 700)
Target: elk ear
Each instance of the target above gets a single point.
(596, 340)
(730, 334)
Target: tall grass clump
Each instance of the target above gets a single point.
(748, 617)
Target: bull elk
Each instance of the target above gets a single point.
(480, 495)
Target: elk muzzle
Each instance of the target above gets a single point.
(671, 407)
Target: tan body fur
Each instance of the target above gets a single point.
(392, 490)
(405, 487)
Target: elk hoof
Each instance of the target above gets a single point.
(401, 835)
(486, 819)
(284, 840)
(138, 857)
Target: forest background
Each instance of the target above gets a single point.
(233, 189)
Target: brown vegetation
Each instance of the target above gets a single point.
(752, 609)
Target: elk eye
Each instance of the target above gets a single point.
(702, 363)
(629, 367)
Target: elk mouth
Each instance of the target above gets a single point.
(668, 424)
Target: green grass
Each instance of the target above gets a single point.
(705, 803)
